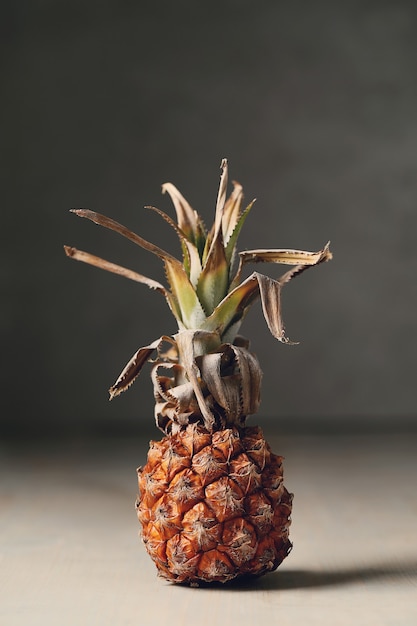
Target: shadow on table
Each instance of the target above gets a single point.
(307, 579)
(310, 579)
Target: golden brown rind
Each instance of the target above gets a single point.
(213, 506)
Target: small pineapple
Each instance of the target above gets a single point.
(212, 503)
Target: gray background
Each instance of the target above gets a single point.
(315, 106)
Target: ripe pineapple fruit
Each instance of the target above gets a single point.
(212, 502)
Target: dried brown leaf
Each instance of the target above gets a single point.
(185, 340)
(184, 303)
(226, 390)
(192, 259)
(221, 197)
(270, 292)
(250, 380)
(91, 259)
(107, 222)
(287, 257)
(134, 367)
(231, 212)
(188, 219)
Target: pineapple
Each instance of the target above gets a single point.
(212, 503)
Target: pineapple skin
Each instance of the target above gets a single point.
(213, 506)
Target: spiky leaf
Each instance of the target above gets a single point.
(231, 212)
(214, 278)
(191, 257)
(134, 367)
(232, 240)
(287, 257)
(186, 306)
(188, 220)
(91, 259)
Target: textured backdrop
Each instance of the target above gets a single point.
(315, 106)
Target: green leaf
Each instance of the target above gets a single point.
(233, 306)
(192, 313)
(231, 244)
(236, 304)
(214, 278)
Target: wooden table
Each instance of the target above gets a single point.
(70, 553)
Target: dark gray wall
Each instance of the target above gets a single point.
(315, 106)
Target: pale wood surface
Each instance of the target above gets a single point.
(70, 553)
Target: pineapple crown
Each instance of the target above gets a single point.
(206, 293)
